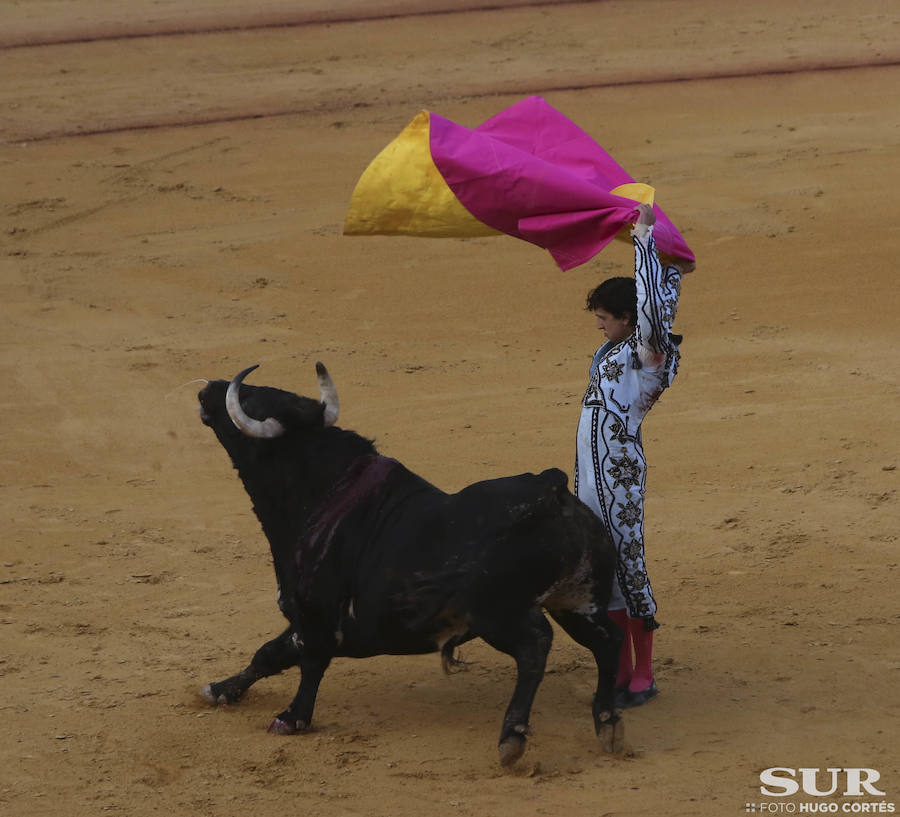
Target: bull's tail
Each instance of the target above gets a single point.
(558, 484)
(450, 660)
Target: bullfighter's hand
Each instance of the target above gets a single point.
(646, 214)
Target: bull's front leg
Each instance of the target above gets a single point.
(271, 658)
(298, 716)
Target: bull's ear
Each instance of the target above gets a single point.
(259, 429)
(329, 395)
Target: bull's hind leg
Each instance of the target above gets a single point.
(298, 716)
(271, 658)
(527, 639)
(603, 638)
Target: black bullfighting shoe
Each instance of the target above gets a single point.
(620, 701)
(640, 698)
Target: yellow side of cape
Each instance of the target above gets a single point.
(636, 191)
(402, 193)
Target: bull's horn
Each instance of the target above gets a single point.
(260, 429)
(328, 394)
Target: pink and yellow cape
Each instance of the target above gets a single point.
(527, 172)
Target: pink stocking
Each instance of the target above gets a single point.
(643, 655)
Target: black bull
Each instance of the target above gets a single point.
(371, 559)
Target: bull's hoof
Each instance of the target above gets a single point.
(511, 749)
(279, 726)
(214, 698)
(207, 694)
(219, 694)
(612, 736)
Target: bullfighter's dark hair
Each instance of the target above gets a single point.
(617, 295)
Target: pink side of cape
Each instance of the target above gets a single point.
(532, 173)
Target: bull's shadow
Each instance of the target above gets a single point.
(371, 559)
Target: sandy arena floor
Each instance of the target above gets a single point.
(175, 178)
